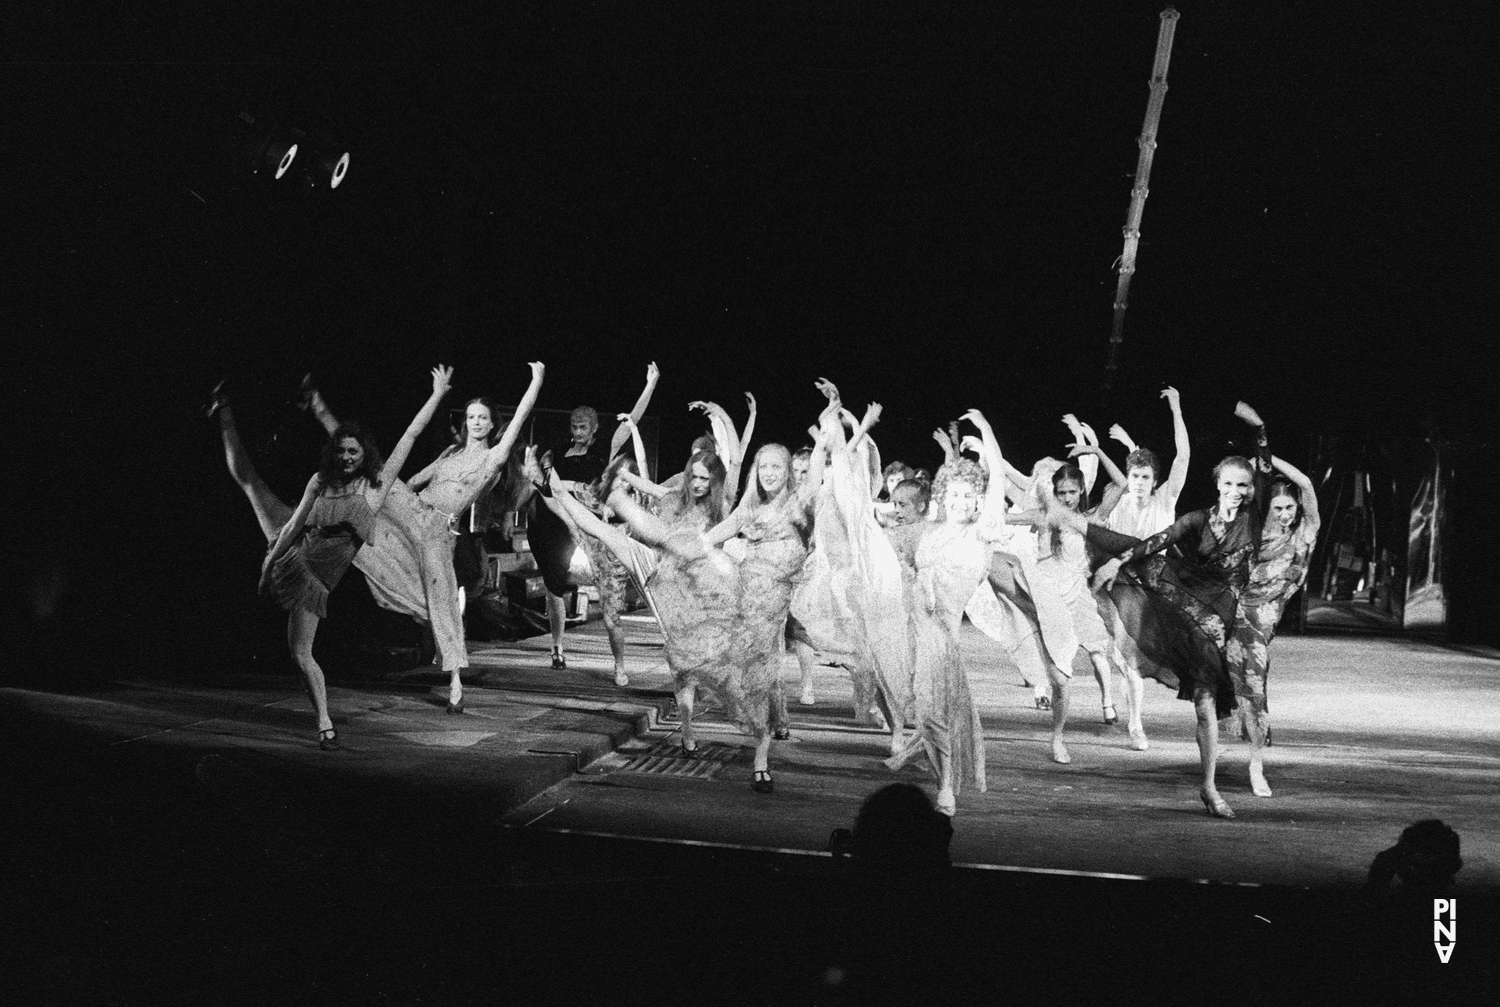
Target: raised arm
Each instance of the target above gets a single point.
(1304, 486)
(653, 374)
(501, 451)
(941, 436)
(1088, 464)
(994, 494)
(871, 417)
(1117, 433)
(749, 430)
(1177, 475)
(637, 445)
(1095, 451)
(441, 376)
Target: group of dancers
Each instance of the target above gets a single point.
(833, 555)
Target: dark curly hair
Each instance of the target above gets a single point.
(369, 468)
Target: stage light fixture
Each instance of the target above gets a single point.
(272, 149)
(329, 162)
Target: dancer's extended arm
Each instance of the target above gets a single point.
(1083, 449)
(941, 436)
(653, 374)
(1117, 433)
(1309, 501)
(293, 527)
(1177, 475)
(994, 494)
(636, 443)
(749, 430)
(1189, 524)
(1088, 464)
(441, 376)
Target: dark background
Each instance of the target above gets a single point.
(920, 202)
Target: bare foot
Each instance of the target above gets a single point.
(946, 802)
(1258, 785)
(1138, 738)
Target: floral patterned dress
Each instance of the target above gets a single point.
(1278, 573)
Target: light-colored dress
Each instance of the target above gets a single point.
(1063, 569)
(408, 562)
(339, 522)
(950, 563)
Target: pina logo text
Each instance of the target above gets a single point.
(1444, 932)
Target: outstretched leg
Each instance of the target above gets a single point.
(270, 512)
(301, 630)
(1208, 752)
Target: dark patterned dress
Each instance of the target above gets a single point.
(1178, 607)
(1179, 591)
(1278, 573)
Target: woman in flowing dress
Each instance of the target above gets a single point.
(408, 562)
(1179, 608)
(951, 561)
(319, 538)
(1279, 571)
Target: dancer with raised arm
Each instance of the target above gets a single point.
(1179, 608)
(315, 547)
(773, 525)
(952, 558)
(695, 591)
(821, 621)
(1063, 568)
(1279, 571)
(1141, 503)
(580, 464)
(728, 445)
(408, 562)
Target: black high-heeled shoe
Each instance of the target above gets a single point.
(454, 709)
(760, 781)
(328, 740)
(559, 663)
(1110, 716)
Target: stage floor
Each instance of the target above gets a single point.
(1370, 736)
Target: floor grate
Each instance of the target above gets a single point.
(665, 758)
